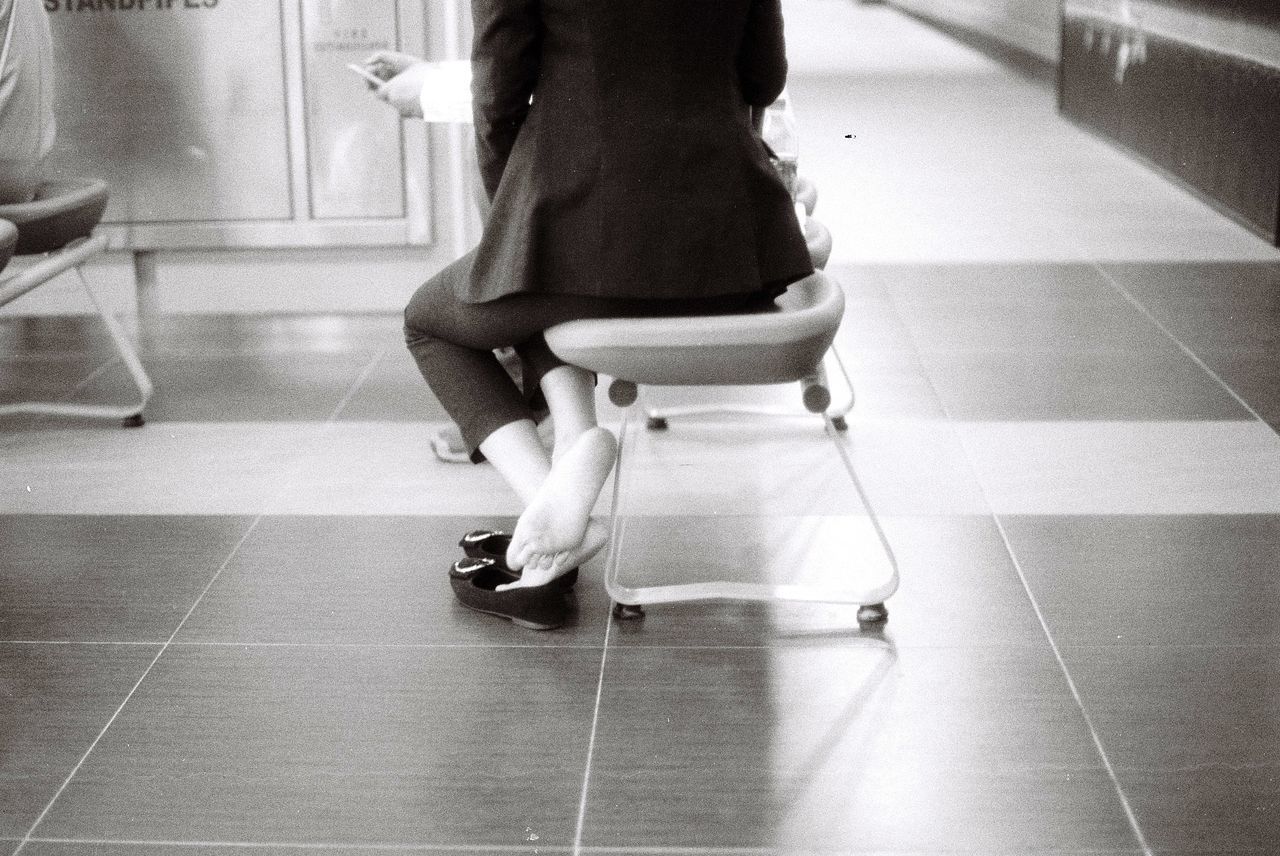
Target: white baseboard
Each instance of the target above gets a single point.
(236, 282)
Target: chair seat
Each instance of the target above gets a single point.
(779, 345)
(8, 241)
(61, 212)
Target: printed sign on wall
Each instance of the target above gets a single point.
(178, 104)
(355, 164)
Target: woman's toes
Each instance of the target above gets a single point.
(538, 570)
(515, 556)
(522, 551)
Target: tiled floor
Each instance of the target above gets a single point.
(230, 631)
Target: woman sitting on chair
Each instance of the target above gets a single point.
(616, 145)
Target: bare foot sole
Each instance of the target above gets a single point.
(541, 569)
(557, 517)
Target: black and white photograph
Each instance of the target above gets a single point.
(655, 427)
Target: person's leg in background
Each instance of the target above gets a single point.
(447, 442)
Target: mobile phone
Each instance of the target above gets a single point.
(366, 74)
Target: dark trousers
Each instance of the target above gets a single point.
(453, 343)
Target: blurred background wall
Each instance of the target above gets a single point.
(1031, 26)
(1191, 87)
(250, 170)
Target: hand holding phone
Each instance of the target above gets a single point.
(368, 75)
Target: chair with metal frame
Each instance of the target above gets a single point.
(58, 227)
(785, 345)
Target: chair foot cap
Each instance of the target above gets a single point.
(873, 614)
(628, 611)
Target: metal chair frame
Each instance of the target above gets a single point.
(71, 258)
(589, 344)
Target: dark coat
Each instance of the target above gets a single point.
(635, 172)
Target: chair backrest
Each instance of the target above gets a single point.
(779, 345)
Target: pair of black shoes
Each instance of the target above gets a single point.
(476, 577)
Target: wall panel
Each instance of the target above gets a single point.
(235, 123)
(1193, 87)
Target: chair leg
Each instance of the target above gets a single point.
(874, 555)
(124, 347)
(129, 414)
(873, 615)
(628, 611)
(837, 414)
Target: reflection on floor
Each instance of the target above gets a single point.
(230, 631)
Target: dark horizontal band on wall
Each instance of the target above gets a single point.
(1239, 28)
(1206, 117)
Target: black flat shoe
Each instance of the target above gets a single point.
(536, 607)
(488, 544)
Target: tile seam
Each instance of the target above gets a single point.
(286, 485)
(852, 642)
(357, 384)
(41, 419)
(1133, 301)
(591, 741)
(311, 845)
(129, 696)
(1130, 816)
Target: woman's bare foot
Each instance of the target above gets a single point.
(541, 570)
(555, 521)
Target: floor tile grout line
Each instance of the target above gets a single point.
(603, 850)
(591, 742)
(1098, 745)
(92, 376)
(1075, 691)
(310, 845)
(851, 643)
(1130, 816)
(53, 357)
(129, 696)
(1137, 304)
(325, 429)
(374, 646)
(357, 384)
(39, 419)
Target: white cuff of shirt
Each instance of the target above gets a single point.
(446, 92)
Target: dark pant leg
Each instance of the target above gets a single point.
(470, 382)
(453, 342)
(536, 359)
